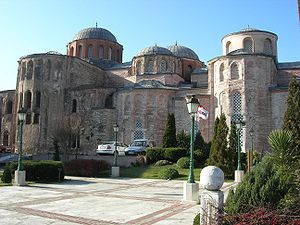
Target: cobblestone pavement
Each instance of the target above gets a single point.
(97, 201)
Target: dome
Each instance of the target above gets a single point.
(155, 50)
(183, 52)
(95, 33)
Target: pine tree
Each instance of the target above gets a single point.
(199, 141)
(231, 160)
(169, 138)
(292, 115)
(218, 153)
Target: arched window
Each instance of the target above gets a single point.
(71, 51)
(21, 100)
(268, 47)
(29, 70)
(228, 47)
(248, 45)
(79, 53)
(23, 71)
(174, 67)
(109, 53)
(101, 52)
(236, 102)
(234, 71)
(138, 133)
(74, 106)
(9, 106)
(221, 72)
(163, 66)
(118, 56)
(5, 138)
(36, 118)
(189, 70)
(138, 68)
(150, 66)
(28, 99)
(28, 118)
(90, 51)
(37, 99)
(109, 102)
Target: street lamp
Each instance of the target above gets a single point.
(191, 188)
(20, 173)
(116, 129)
(250, 158)
(192, 105)
(22, 117)
(239, 125)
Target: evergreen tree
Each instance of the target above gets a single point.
(218, 152)
(183, 140)
(292, 115)
(169, 138)
(231, 160)
(199, 141)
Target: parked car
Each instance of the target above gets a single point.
(138, 146)
(109, 148)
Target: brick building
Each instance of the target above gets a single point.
(92, 84)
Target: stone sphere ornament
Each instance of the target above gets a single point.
(211, 178)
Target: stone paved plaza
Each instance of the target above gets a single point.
(98, 201)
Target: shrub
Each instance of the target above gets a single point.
(154, 154)
(173, 154)
(168, 174)
(183, 163)
(85, 167)
(6, 176)
(140, 160)
(44, 170)
(200, 156)
(162, 163)
(197, 219)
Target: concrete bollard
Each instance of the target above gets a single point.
(211, 199)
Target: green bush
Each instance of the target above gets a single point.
(154, 154)
(173, 154)
(168, 174)
(44, 170)
(183, 163)
(197, 219)
(200, 156)
(85, 167)
(162, 162)
(6, 176)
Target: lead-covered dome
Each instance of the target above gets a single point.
(95, 33)
(183, 52)
(154, 50)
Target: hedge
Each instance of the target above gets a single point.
(44, 170)
(154, 154)
(171, 154)
(85, 167)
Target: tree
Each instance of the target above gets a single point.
(218, 152)
(231, 159)
(67, 133)
(56, 150)
(169, 138)
(183, 140)
(292, 115)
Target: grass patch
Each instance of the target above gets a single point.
(152, 172)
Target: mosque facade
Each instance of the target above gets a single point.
(93, 88)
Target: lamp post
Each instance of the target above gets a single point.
(250, 158)
(20, 174)
(239, 173)
(191, 189)
(116, 129)
(115, 169)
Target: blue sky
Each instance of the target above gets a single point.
(37, 26)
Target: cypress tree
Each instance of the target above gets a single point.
(218, 153)
(292, 115)
(231, 160)
(169, 138)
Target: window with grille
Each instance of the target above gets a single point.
(221, 71)
(138, 133)
(248, 45)
(163, 66)
(236, 106)
(150, 67)
(268, 47)
(5, 138)
(234, 71)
